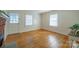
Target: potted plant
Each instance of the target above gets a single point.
(74, 35)
(74, 30)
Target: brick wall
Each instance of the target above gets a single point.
(2, 24)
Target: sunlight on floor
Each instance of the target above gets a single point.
(53, 42)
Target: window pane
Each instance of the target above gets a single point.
(28, 20)
(53, 20)
(13, 18)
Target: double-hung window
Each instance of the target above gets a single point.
(28, 20)
(53, 20)
(14, 18)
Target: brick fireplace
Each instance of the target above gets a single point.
(2, 25)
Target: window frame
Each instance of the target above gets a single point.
(27, 21)
(16, 17)
(53, 15)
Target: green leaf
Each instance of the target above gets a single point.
(3, 12)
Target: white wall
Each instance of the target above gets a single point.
(66, 19)
(21, 27)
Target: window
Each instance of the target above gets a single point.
(28, 20)
(14, 18)
(53, 20)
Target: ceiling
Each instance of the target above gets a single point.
(42, 11)
(36, 11)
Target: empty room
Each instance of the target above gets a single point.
(39, 28)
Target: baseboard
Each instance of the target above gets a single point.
(37, 30)
(54, 32)
(30, 30)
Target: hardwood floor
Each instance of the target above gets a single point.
(39, 39)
